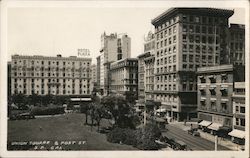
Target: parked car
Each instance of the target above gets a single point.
(194, 132)
(180, 145)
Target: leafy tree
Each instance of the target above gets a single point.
(131, 97)
(20, 100)
(120, 110)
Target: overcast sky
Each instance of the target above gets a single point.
(51, 31)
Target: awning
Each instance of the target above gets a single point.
(237, 133)
(224, 100)
(80, 99)
(213, 99)
(205, 123)
(215, 126)
(161, 110)
(195, 120)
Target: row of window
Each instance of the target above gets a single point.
(199, 39)
(50, 62)
(192, 19)
(51, 74)
(49, 80)
(197, 48)
(51, 92)
(200, 29)
(165, 78)
(168, 23)
(223, 92)
(196, 58)
(240, 109)
(166, 69)
(167, 32)
(237, 36)
(212, 79)
(166, 87)
(166, 60)
(166, 97)
(240, 122)
(166, 51)
(237, 46)
(213, 107)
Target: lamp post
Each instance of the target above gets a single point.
(216, 143)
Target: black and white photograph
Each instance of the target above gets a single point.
(143, 76)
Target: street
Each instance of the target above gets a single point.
(194, 143)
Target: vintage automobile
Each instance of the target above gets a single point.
(194, 132)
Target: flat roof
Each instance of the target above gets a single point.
(201, 11)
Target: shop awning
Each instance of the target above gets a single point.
(215, 126)
(205, 123)
(161, 110)
(80, 99)
(237, 133)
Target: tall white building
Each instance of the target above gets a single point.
(44, 75)
(113, 48)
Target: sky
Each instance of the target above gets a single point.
(51, 31)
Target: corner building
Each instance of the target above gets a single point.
(124, 76)
(113, 48)
(44, 75)
(186, 39)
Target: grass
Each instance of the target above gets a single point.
(69, 127)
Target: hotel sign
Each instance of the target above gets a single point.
(82, 52)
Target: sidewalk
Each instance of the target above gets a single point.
(225, 142)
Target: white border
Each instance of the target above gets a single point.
(117, 4)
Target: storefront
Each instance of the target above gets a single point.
(204, 124)
(237, 136)
(214, 127)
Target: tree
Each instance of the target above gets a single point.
(131, 97)
(99, 113)
(120, 110)
(20, 100)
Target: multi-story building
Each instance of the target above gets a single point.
(9, 77)
(215, 90)
(187, 38)
(113, 48)
(50, 75)
(93, 77)
(98, 66)
(124, 76)
(238, 133)
(237, 44)
(141, 76)
(149, 77)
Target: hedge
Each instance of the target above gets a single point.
(143, 138)
(47, 111)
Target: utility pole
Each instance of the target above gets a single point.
(216, 143)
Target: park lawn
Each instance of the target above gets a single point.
(62, 128)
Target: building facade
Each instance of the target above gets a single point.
(215, 90)
(124, 76)
(113, 48)
(186, 39)
(93, 77)
(141, 76)
(98, 67)
(237, 44)
(239, 112)
(44, 75)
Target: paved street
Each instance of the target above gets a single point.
(194, 143)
